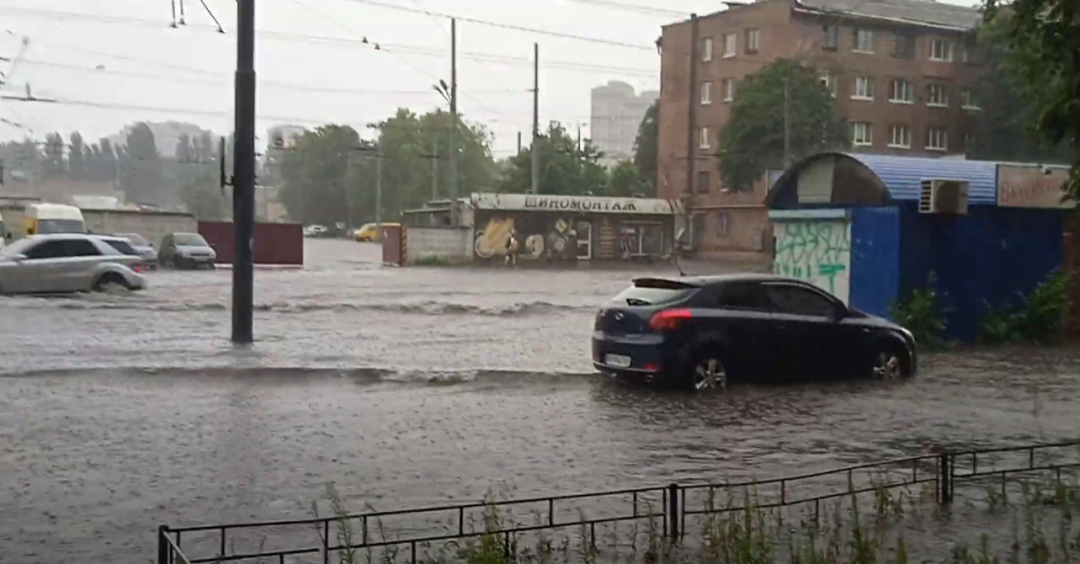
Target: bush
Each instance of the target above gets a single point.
(1038, 319)
(921, 313)
(434, 260)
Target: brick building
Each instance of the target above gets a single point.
(900, 71)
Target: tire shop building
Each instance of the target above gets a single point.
(556, 228)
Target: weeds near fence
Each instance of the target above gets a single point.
(1038, 318)
(921, 313)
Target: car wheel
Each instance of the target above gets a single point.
(890, 364)
(110, 280)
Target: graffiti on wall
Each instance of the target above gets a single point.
(818, 252)
(537, 238)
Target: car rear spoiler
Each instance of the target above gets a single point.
(664, 283)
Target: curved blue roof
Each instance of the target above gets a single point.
(902, 175)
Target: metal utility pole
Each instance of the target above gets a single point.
(378, 196)
(453, 125)
(787, 123)
(519, 143)
(244, 174)
(691, 128)
(536, 121)
(434, 170)
(579, 136)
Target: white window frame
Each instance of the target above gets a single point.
(907, 91)
(865, 140)
(753, 40)
(706, 93)
(731, 45)
(946, 46)
(943, 99)
(704, 142)
(729, 90)
(828, 81)
(868, 92)
(706, 50)
(905, 137)
(966, 96)
(861, 33)
(937, 139)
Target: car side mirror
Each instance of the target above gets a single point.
(839, 312)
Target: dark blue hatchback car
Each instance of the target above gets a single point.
(701, 332)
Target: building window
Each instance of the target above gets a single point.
(864, 88)
(967, 96)
(900, 137)
(704, 142)
(753, 40)
(706, 50)
(937, 95)
(904, 48)
(862, 134)
(706, 93)
(940, 49)
(937, 139)
(830, 39)
(902, 91)
(723, 224)
(969, 142)
(864, 40)
(731, 43)
(729, 89)
(703, 182)
(829, 82)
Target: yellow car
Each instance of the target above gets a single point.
(369, 232)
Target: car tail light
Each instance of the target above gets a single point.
(138, 268)
(670, 319)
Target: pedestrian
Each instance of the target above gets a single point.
(512, 248)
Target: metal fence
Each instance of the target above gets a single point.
(669, 505)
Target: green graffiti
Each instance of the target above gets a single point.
(817, 252)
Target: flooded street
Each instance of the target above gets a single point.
(409, 387)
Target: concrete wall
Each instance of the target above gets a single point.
(428, 243)
(151, 226)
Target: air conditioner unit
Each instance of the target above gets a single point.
(944, 196)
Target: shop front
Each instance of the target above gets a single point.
(552, 228)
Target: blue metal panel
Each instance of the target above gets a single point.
(875, 259)
(902, 175)
(991, 255)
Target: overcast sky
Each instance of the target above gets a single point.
(115, 62)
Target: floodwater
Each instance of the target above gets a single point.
(410, 387)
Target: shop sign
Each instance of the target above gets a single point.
(581, 204)
(1032, 186)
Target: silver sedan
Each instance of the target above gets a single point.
(63, 263)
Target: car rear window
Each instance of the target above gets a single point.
(122, 246)
(655, 292)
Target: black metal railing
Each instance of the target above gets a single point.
(670, 505)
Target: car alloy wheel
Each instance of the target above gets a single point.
(709, 373)
(887, 366)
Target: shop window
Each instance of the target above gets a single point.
(641, 239)
(702, 182)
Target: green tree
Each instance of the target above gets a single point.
(319, 185)
(1006, 127)
(77, 157)
(203, 196)
(54, 155)
(1042, 53)
(752, 141)
(647, 147)
(141, 170)
(625, 179)
(565, 168)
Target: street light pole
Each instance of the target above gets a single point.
(453, 125)
(244, 175)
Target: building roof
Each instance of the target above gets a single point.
(902, 175)
(919, 12)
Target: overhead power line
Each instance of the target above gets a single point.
(501, 25)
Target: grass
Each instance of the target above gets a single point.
(886, 525)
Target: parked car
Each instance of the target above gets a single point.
(701, 332)
(316, 231)
(43, 264)
(143, 247)
(186, 250)
(367, 233)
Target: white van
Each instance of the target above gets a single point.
(42, 219)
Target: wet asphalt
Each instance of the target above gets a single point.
(410, 387)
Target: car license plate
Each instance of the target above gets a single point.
(617, 361)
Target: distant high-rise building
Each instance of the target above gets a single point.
(617, 111)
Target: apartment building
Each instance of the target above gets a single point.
(617, 111)
(900, 71)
